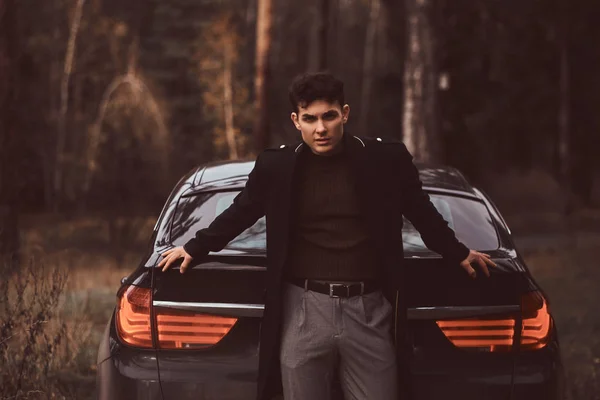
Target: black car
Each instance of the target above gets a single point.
(196, 335)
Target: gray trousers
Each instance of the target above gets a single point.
(322, 334)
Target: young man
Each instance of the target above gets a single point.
(334, 205)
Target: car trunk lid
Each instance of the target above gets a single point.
(207, 327)
(453, 322)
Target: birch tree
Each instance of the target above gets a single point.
(368, 65)
(228, 51)
(319, 37)
(225, 96)
(264, 22)
(61, 136)
(420, 108)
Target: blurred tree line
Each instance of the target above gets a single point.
(105, 103)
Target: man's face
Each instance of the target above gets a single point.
(322, 125)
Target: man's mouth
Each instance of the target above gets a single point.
(322, 141)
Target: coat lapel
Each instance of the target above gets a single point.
(283, 197)
(360, 168)
(367, 184)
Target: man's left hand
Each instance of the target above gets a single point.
(483, 260)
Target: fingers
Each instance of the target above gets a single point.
(489, 262)
(467, 266)
(185, 264)
(187, 259)
(488, 259)
(480, 258)
(484, 260)
(483, 266)
(163, 262)
(168, 261)
(172, 255)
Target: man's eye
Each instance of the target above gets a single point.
(309, 119)
(329, 116)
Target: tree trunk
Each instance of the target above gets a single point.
(332, 34)
(318, 38)
(563, 113)
(262, 73)
(368, 63)
(323, 34)
(64, 105)
(391, 57)
(420, 103)
(228, 100)
(9, 156)
(313, 63)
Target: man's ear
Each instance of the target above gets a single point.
(294, 118)
(345, 113)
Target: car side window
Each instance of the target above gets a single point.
(197, 211)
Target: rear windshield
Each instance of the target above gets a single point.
(470, 220)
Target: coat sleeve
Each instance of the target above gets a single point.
(247, 207)
(417, 207)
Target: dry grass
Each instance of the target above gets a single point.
(41, 338)
(52, 319)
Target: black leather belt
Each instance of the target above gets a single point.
(334, 289)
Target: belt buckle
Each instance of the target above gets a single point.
(332, 285)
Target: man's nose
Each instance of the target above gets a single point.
(321, 126)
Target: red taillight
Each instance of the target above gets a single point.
(177, 329)
(492, 334)
(536, 321)
(182, 329)
(133, 317)
(497, 334)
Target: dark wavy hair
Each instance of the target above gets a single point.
(309, 87)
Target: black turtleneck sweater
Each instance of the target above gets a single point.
(328, 239)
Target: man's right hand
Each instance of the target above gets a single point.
(174, 254)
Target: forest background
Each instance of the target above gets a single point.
(105, 104)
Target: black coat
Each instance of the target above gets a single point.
(388, 187)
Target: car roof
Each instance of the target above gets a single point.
(234, 173)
